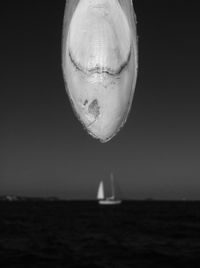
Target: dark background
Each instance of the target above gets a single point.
(44, 149)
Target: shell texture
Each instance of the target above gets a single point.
(100, 62)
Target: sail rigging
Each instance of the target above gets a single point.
(112, 186)
(108, 200)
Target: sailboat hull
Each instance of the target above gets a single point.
(110, 202)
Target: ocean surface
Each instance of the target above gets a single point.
(85, 234)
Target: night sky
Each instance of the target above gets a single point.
(44, 150)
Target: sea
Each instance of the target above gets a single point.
(68, 234)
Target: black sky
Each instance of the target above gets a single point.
(44, 149)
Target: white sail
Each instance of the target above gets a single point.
(108, 200)
(100, 193)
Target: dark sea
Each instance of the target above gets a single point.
(85, 234)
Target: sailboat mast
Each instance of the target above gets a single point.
(112, 185)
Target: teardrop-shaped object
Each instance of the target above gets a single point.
(100, 61)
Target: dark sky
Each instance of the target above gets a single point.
(44, 150)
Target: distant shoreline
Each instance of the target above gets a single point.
(56, 199)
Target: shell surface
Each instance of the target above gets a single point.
(100, 60)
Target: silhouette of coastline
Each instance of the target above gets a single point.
(16, 198)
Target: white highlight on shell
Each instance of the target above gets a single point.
(100, 63)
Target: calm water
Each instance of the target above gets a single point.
(84, 234)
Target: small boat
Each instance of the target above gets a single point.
(108, 200)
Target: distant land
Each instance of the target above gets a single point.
(15, 198)
(18, 198)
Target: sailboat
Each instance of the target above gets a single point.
(108, 200)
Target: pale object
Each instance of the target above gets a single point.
(100, 62)
(100, 193)
(112, 200)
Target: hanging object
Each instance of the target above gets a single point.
(100, 62)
